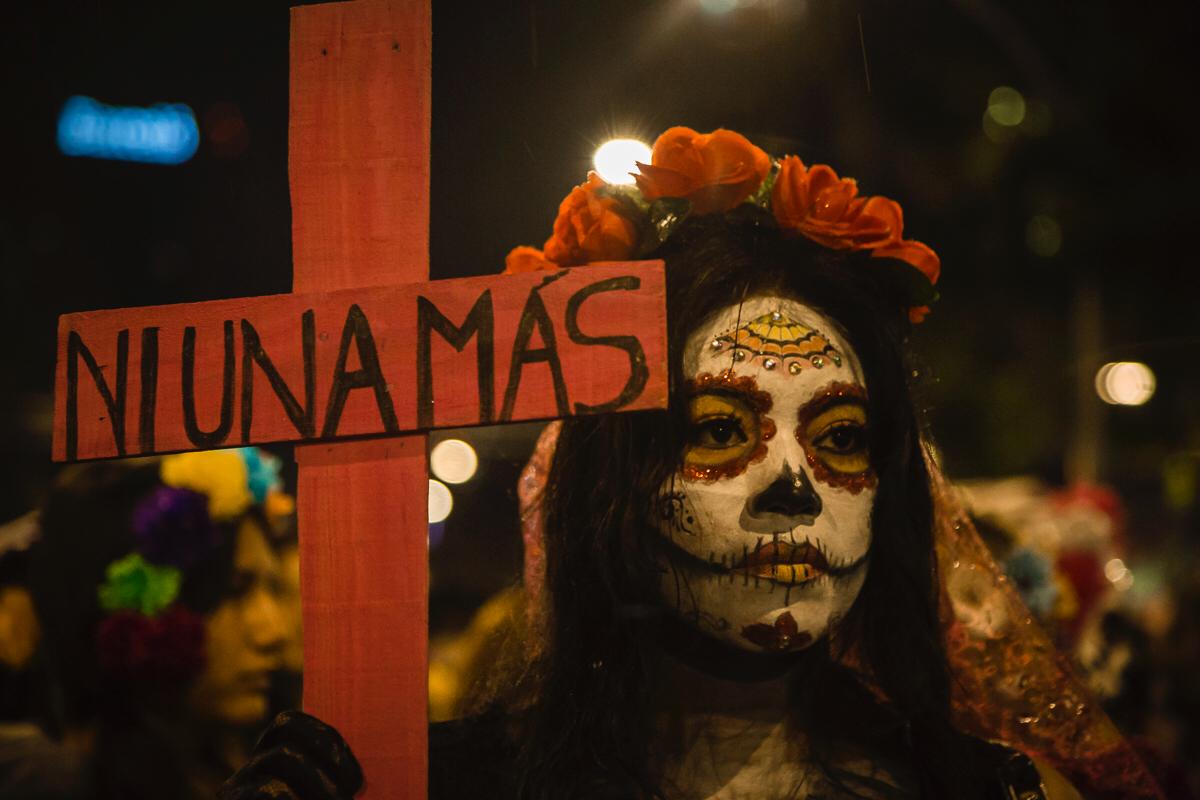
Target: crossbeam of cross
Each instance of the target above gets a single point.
(356, 363)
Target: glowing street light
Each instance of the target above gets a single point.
(441, 502)
(453, 461)
(1125, 383)
(617, 158)
(1006, 106)
(1118, 574)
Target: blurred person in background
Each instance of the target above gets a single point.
(19, 629)
(32, 766)
(1181, 656)
(158, 590)
(1062, 548)
(462, 665)
(287, 683)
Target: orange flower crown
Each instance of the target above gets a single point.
(711, 173)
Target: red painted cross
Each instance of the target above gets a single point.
(364, 347)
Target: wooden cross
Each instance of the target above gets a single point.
(365, 348)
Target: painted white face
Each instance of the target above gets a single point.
(767, 525)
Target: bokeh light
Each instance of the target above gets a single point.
(1118, 574)
(441, 502)
(161, 134)
(1125, 383)
(1006, 106)
(453, 461)
(617, 158)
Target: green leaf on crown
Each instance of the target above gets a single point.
(762, 195)
(663, 218)
(633, 205)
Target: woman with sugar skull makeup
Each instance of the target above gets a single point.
(738, 597)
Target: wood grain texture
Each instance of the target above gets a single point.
(358, 165)
(364, 568)
(358, 143)
(450, 354)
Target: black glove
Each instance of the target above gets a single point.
(297, 758)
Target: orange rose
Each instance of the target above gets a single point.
(590, 227)
(715, 171)
(827, 209)
(919, 255)
(917, 314)
(526, 259)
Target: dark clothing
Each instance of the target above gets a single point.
(473, 758)
(301, 758)
(32, 767)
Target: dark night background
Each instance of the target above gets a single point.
(893, 94)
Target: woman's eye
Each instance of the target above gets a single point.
(844, 438)
(720, 432)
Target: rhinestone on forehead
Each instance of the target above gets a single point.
(774, 339)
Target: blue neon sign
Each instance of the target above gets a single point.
(165, 133)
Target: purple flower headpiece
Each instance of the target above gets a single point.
(172, 526)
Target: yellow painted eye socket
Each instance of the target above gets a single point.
(838, 437)
(721, 428)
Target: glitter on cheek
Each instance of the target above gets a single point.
(852, 482)
(735, 467)
(760, 401)
(726, 379)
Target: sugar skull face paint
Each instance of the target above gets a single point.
(776, 341)
(729, 427)
(832, 431)
(765, 528)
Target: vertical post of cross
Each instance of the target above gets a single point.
(359, 172)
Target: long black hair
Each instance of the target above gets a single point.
(589, 733)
